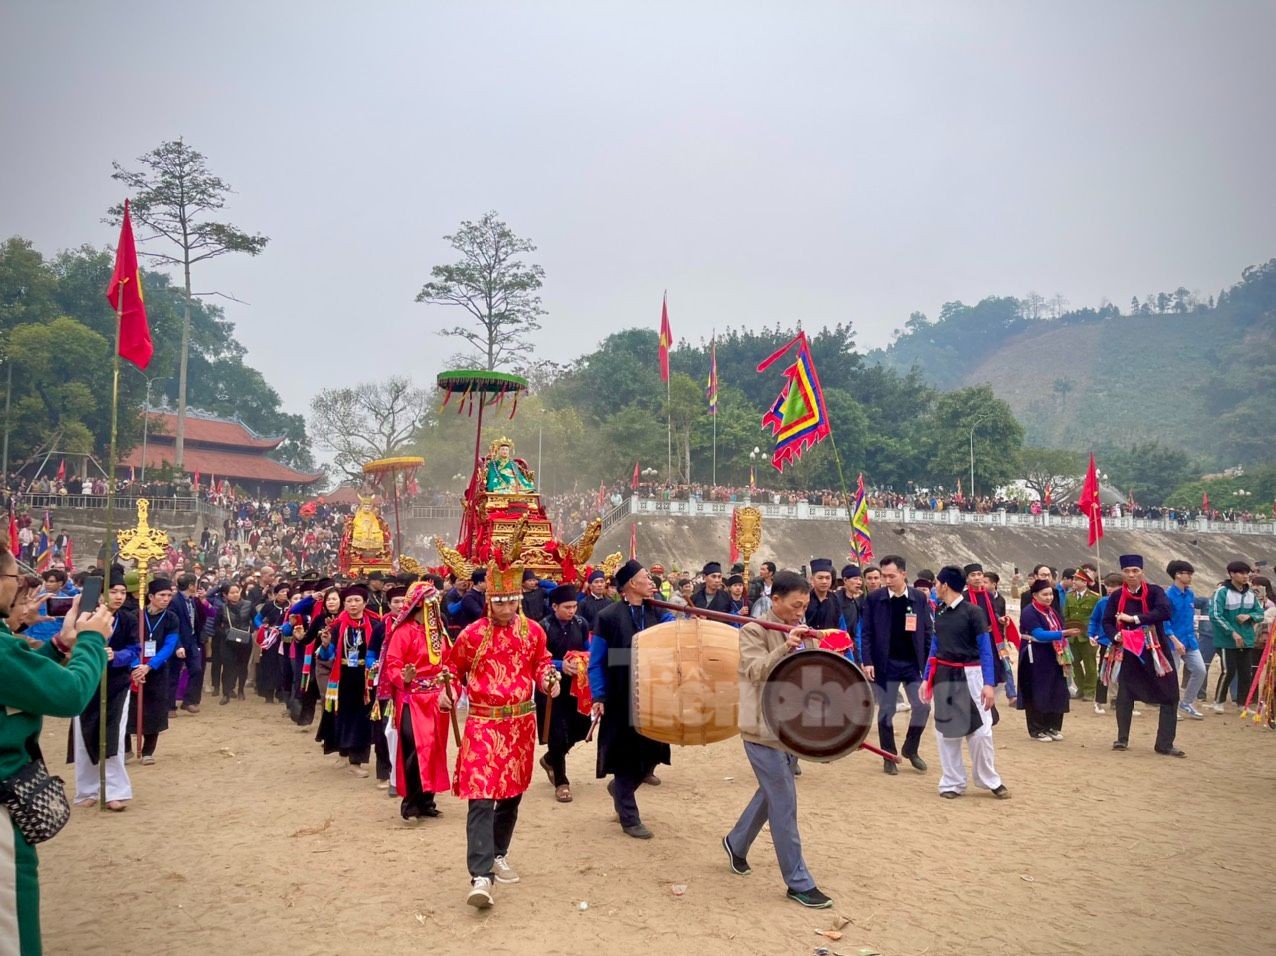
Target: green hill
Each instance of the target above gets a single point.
(1199, 378)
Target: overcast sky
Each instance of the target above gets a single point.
(764, 162)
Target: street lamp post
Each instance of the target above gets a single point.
(978, 421)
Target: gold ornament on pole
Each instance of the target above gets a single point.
(142, 545)
(748, 535)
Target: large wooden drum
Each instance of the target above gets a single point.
(684, 683)
(819, 705)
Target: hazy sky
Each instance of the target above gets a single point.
(763, 161)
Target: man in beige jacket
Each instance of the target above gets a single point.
(776, 798)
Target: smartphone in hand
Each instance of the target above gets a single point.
(91, 596)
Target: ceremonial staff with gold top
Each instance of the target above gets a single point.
(142, 544)
(133, 342)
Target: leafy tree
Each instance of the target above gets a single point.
(1055, 468)
(368, 421)
(1147, 470)
(174, 196)
(494, 286)
(997, 439)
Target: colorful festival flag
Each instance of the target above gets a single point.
(862, 538)
(798, 418)
(1090, 504)
(712, 390)
(125, 295)
(666, 338)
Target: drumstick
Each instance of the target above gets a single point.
(881, 753)
(593, 724)
(549, 712)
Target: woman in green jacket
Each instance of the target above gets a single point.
(56, 679)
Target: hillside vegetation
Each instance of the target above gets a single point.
(1196, 376)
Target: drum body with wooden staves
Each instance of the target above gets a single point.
(818, 704)
(685, 688)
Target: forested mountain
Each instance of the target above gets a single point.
(1195, 375)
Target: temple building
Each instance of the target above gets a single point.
(217, 448)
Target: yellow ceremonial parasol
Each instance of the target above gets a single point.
(393, 467)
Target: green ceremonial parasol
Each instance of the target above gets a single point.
(490, 388)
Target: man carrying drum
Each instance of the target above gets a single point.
(775, 800)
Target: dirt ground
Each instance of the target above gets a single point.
(242, 838)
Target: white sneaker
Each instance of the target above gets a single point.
(1216, 707)
(480, 893)
(1055, 734)
(1136, 713)
(1043, 738)
(903, 708)
(1100, 709)
(504, 872)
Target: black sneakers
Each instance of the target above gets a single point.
(739, 865)
(811, 899)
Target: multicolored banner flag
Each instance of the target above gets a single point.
(862, 538)
(712, 391)
(666, 338)
(1090, 504)
(125, 295)
(798, 418)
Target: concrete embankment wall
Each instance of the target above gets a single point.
(688, 542)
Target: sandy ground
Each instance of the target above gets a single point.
(243, 839)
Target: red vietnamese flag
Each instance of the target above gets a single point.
(1090, 504)
(62, 470)
(666, 338)
(633, 482)
(125, 295)
(1205, 502)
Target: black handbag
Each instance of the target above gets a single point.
(36, 801)
(236, 635)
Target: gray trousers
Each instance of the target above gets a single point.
(775, 802)
(489, 828)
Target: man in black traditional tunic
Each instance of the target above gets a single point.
(1134, 626)
(565, 632)
(825, 611)
(712, 594)
(622, 751)
(961, 681)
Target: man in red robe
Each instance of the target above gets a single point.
(499, 659)
(411, 674)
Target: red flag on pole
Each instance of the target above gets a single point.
(14, 546)
(666, 338)
(197, 479)
(633, 482)
(1205, 502)
(633, 539)
(125, 295)
(62, 470)
(1090, 504)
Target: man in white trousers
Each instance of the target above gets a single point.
(962, 683)
(123, 653)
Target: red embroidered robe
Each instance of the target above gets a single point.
(496, 756)
(417, 701)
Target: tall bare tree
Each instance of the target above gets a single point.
(494, 286)
(173, 197)
(369, 421)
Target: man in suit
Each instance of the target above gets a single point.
(895, 632)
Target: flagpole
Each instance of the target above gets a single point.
(109, 551)
(846, 495)
(713, 371)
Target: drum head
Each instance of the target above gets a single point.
(819, 705)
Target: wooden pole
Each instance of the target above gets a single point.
(108, 552)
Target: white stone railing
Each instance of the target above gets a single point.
(949, 516)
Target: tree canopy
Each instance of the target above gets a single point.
(57, 326)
